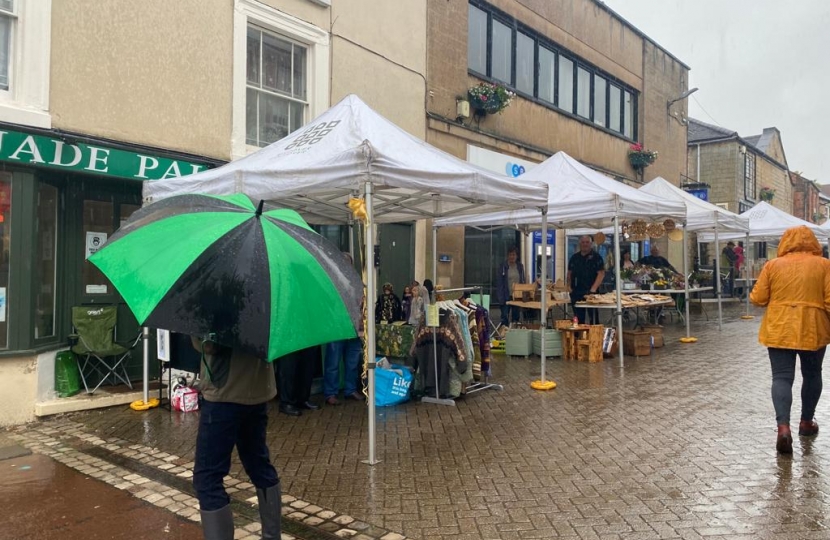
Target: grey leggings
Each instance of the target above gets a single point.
(783, 374)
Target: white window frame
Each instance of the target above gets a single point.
(26, 102)
(314, 38)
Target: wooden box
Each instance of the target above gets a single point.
(656, 332)
(636, 342)
(562, 323)
(589, 347)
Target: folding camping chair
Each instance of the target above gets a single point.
(95, 347)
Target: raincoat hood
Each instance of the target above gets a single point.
(799, 240)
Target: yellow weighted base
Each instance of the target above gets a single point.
(546, 385)
(747, 317)
(688, 340)
(140, 405)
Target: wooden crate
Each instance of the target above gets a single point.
(589, 349)
(636, 342)
(656, 332)
(562, 323)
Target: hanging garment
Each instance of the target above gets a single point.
(483, 326)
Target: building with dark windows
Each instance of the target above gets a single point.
(741, 171)
(96, 97)
(586, 81)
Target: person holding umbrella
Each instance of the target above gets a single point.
(252, 284)
(795, 289)
(236, 388)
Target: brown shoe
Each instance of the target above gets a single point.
(784, 444)
(808, 428)
(331, 400)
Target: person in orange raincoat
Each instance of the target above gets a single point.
(795, 288)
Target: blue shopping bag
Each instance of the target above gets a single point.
(392, 388)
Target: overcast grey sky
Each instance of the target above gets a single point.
(758, 63)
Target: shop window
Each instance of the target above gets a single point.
(502, 48)
(477, 40)
(547, 74)
(97, 228)
(583, 92)
(525, 63)
(7, 18)
(45, 257)
(489, 250)
(614, 107)
(5, 248)
(502, 52)
(565, 86)
(628, 115)
(276, 96)
(600, 100)
(749, 176)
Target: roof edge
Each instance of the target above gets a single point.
(640, 33)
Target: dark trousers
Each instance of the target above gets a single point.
(586, 315)
(512, 311)
(221, 427)
(783, 375)
(295, 373)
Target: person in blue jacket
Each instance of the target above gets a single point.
(510, 273)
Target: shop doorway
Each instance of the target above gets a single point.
(396, 256)
(95, 210)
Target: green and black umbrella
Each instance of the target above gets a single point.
(258, 279)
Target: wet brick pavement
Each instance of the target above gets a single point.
(679, 445)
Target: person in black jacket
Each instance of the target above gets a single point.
(388, 306)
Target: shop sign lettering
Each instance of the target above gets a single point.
(18, 147)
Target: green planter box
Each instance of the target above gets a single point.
(553, 342)
(518, 343)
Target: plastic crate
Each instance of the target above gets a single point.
(518, 342)
(553, 342)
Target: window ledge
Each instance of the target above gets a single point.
(18, 114)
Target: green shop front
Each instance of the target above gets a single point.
(61, 196)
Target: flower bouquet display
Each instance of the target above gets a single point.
(490, 98)
(639, 157)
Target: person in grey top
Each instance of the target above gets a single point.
(510, 273)
(236, 389)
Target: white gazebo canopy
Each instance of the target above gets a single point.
(316, 169)
(351, 151)
(579, 197)
(700, 215)
(767, 222)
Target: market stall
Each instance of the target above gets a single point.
(766, 223)
(581, 197)
(701, 216)
(351, 161)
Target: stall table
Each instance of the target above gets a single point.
(394, 340)
(635, 308)
(678, 308)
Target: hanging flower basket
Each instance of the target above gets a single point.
(766, 194)
(639, 157)
(489, 98)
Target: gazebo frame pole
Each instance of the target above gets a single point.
(370, 319)
(619, 284)
(718, 287)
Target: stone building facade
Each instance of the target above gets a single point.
(739, 170)
(807, 203)
(588, 82)
(100, 96)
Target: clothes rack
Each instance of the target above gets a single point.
(484, 384)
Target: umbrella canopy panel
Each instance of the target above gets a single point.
(315, 171)
(259, 279)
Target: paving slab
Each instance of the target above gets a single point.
(676, 444)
